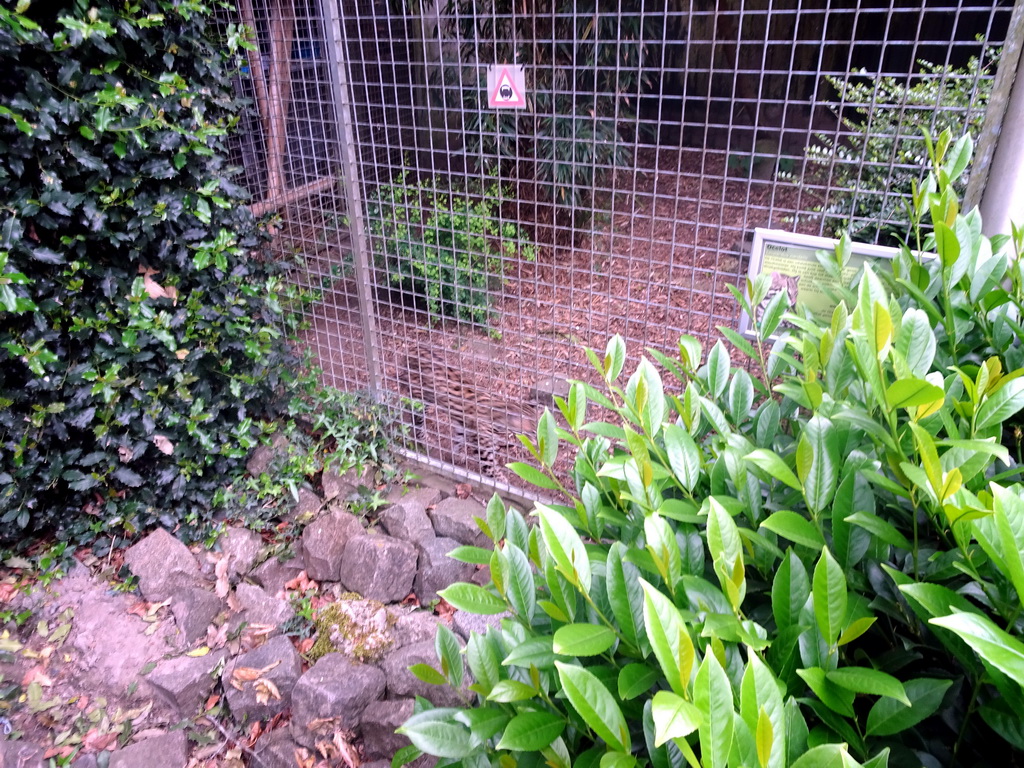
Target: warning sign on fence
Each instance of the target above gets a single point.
(506, 87)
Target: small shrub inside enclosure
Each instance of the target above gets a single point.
(807, 555)
(142, 333)
(443, 247)
(874, 165)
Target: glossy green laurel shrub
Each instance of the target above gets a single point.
(141, 334)
(814, 564)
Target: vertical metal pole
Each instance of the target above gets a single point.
(350, 177)
(999, 158)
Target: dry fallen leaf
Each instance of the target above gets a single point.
(303, 759)
(298, 582)
(37, 674)
(322, 724)
(259, 630)
(163, 445)
(223, 586)
(181, 354)
(463, 490)
(305, 645)
(217, 637)
(152, 287)
(248, 674)
(125, 453)
(265, 691)
(255, 731)
(96, 741)
(444, 610)
(211, 702)
(200, 651)
(346, 750)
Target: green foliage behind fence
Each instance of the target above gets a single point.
(140, 333)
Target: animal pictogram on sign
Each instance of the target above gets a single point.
(505, 87)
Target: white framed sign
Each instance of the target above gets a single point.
(506, 87)
(788, 257)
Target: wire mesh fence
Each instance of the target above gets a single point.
(460, 255)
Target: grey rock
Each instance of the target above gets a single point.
(163, 565)
(377, 764)
(167, 751)
(86, 761)
(361, 478)
(544, 391)
(378, 567)
(334, 485)
(242, 547)
(277, 651)
(18, 754)
(276, 750)
(194, 610)
(273, 574)
(308, 505)
(379, 721)
(413, 627)
(482, 577)
(404, 684)
(336, 689)
(185, 682)
(455, 519)
(465, 623)
(260, 459)
(426, 497)
(261, 608)
(436, 570)
(99, 666)
(408, 521)
(323, 544)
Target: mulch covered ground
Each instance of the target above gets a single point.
(657, 265)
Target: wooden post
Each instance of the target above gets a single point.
(282, 30)
(255, 56)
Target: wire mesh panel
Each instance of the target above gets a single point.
(290, 150)
(622, 198)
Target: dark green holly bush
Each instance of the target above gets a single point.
(810, 559)
(142, 333)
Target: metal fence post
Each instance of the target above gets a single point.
(999, 160)
(350, 178)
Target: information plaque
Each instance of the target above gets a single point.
(789, 259)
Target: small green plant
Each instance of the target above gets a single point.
(445, 247)
(367, 502)
(810, 558)
(324, 429)
(872, 168)
(303, 623)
